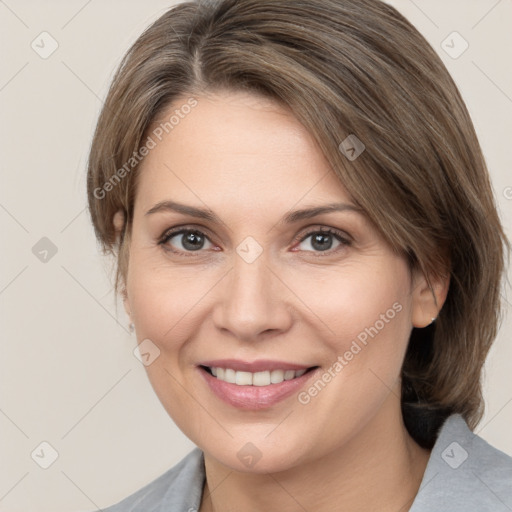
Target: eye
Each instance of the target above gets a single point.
(322, 240)
(187, 240)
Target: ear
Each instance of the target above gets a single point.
(428, 298)
(126, 302)
(119, 221)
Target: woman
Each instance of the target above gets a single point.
(309, 251)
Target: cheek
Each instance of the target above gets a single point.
(164, 305)
(364, 315)
(163, 299)
(359, 302)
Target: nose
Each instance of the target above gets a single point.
(253, 303)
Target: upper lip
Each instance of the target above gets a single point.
(253, 366)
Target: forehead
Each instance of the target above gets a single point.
(235, 149)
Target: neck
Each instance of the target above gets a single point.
(379, 469)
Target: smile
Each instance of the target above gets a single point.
(263, 378)
(254, 386)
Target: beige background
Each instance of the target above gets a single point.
(68, 374)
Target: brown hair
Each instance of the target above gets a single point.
(343, 67)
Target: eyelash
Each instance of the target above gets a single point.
(339, 235)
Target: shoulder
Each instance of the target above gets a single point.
(465, 473)
(179, 489)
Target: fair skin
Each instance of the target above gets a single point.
(251, 162)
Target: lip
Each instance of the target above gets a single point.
(255, 366)
(255, 397)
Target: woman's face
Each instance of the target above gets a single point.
(259, 294)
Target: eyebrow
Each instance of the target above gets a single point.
(289, 218)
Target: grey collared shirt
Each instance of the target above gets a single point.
(464, 474)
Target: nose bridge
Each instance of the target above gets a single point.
(251, 303)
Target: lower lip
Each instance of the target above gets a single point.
(254, 397)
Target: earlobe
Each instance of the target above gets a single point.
(119, 224)
(126, 304)
(428, 298)
(125, 300)
(118, 221)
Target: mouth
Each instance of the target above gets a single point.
(261, 378)
(265, 386)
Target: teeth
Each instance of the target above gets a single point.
(230, 375)
(276, 376)
(255, 379)
(242, 378)
(261, 379)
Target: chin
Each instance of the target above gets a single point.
(257, 455)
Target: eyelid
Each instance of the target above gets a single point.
(180, 230)
(342, 236)
(324, 229)
(169, 232)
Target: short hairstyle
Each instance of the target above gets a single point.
(343, 67)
